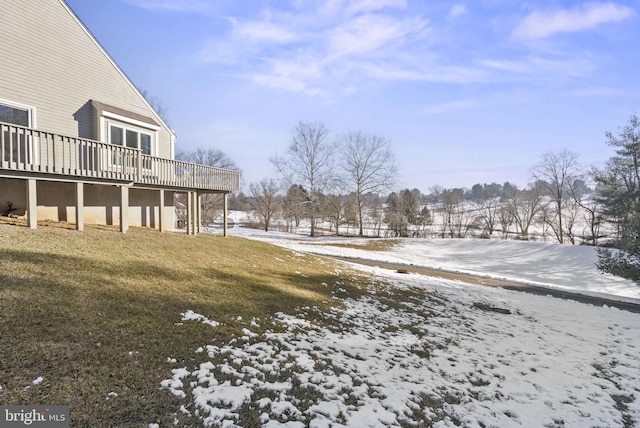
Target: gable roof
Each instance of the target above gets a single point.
(157, 118)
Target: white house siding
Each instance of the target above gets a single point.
(51, 63)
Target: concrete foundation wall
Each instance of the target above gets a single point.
(56, 201)
(14, 191)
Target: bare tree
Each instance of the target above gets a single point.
(523, 206)
(593, 217)
(211, 202)
(592, 210)
(488, 209)
(487, 200)
(334, 204)
(453, 218)
(210, 157)
(369, 167)
(506, 220)
(156, 104)
(308, 161)
(556, 172)
(350, 213)
(377, 213)
(462, 219)
(435, 199)
(265, 199)
(295, 205)
(333, 207)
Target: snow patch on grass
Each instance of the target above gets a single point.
(192, 316)
(425, 351)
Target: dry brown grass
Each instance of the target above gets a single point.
(94, 312)
(369, 244)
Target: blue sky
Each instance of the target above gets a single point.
(465, 92)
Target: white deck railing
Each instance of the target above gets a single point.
(29, 150)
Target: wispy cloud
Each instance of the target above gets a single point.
(457, 10)
(544, 24)
(566, 66)
(262, 32)
(372, 34)
(249, 39)
(358, 6)
(430, 73)
(597, 91)
(330, 48)
(172, 5)
(317, 51)
(299, 77)
(354, 7)
(450, 106)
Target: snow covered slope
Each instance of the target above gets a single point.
(570, 267)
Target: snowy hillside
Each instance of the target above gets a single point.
(570, 267)
(430, 351)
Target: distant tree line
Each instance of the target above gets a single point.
(483, 211)
(331, 185)
(345, 184)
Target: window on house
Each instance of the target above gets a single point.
(132, 138)
(115, 135)
(145, 143)
(145, 147)
(15, 115)
(16, 145)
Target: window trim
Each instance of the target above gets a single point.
(30, 110)
(31, 155)
(128, 120)
(107, 120)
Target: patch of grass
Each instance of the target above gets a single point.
(479, 381)
(369, 244)
(490, 308)
(422, 350)
(622, 402)
(430, 409)
(95, 312)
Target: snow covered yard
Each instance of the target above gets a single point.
(571, 267)
(419, 351)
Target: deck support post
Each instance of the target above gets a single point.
(80, 206)
(32, 204)
(224, 213)
(124, 209)
(198, 210)
(189, 213)
(193, 213)
(161, 210)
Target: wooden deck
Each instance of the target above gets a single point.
(35, 155)
(30, 152)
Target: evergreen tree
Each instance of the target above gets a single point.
(618, 189)
(402, 211)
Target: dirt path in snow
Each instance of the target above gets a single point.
(491, 282)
